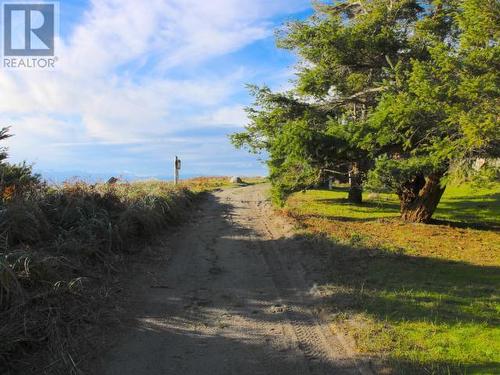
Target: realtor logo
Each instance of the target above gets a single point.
(29, 30)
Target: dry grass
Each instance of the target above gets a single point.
(433, 241)
(212, 183)
(59, 249)
(375, 224)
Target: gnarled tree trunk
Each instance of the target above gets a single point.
(420, 197)
(356, 182)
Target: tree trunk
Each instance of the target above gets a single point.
(356, 182)
(420, 197)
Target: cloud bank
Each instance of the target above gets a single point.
(139, 81)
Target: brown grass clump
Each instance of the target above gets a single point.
(58, 246)
(466, 230)
(434, 241)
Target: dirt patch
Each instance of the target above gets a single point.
(237, 297)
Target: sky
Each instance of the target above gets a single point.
(139, 82)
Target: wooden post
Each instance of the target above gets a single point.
(177, 167)
(330, 183)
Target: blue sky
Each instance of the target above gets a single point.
(138, 82)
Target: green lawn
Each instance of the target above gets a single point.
(422, 297)
(459, 204)
(466, 204)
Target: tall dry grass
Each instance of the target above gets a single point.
(58, 247)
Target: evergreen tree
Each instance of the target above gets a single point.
(406, 89)
(441, 108)
(4, 134)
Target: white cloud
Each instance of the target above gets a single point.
(230, 116)
(114, 82)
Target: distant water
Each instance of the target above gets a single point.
(56, 177)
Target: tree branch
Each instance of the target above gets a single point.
(353, 98)
(353, 8)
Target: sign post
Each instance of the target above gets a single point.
(177, 168)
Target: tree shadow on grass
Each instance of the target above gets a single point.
(186, 337)
(435, 297)
(378, 205)
(476, 224)
(480, 212)
(362, 212)
(397, 286)
(345, 219)
(466, 212)
(368, 210)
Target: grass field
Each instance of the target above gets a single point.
(201, 184)
(423, 297)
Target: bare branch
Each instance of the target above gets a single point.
(352, 8)
(353, 98)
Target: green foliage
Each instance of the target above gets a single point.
(17, 179)
(445, 107)
(14, 179)
(406, 88)
(4, 134)
(388, 173)
(300, 140)
(345, 63)
(293, 135)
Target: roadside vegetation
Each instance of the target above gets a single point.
(401, 96)
(202, 184)
(399, 101)
(61, 247)
(423, 298)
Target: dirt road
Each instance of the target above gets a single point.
(233, 299)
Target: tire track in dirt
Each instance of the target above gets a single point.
(237, 302)
(316, 339)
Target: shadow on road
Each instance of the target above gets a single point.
(226, 312)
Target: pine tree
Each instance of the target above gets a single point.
(402, 89)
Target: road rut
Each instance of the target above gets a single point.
(233, 299)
